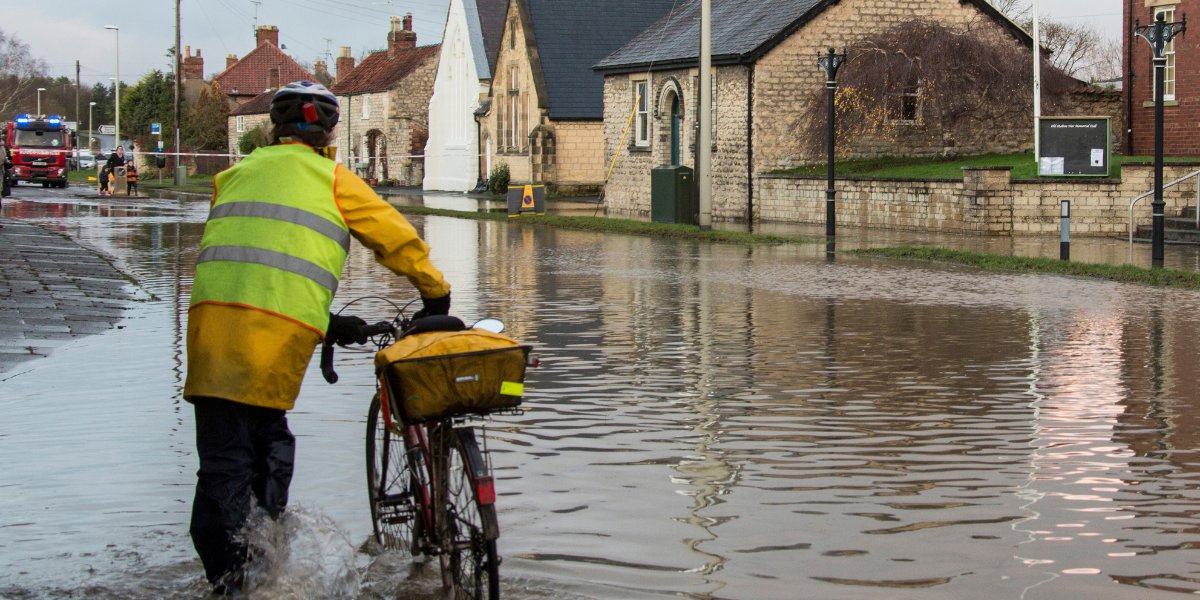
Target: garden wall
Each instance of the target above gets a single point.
(986, 201)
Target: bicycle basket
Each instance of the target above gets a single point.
(450, 373)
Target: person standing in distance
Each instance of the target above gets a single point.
(270, 259)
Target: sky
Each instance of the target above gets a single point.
(310, 29)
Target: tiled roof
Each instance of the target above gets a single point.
(379, 71)
(251, 75)
(572, 36)
(259, 105)
(741, 32)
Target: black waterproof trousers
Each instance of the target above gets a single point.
(246, 454)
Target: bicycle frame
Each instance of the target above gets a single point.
(416, 438)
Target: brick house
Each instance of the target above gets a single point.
(244, 118)
(545, 111)
(1181, 89)
(453, 161)
(385, 107)
(266, 67)
(764, 66)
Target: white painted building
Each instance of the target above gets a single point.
(454, 160)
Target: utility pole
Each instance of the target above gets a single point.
(704, 140)
(178, 179)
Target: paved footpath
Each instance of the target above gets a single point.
(52, 290)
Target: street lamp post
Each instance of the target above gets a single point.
(117, 89)
(91, 132)
(830, 62)
(39, 103)
(1159, 35)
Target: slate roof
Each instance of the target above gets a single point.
(379, 71)
(251, 75)
(571, 36)
(742, 32)
(485, 20)
(259, 105)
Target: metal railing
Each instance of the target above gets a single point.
(1195, 174)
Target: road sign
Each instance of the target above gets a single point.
(108, 129)
(156, 129)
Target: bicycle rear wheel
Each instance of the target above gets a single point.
(470, 563)
(394, 478)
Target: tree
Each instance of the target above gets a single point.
(923, 80)
(255, 137)
(206, 125)
(18, 70)
(151, 100)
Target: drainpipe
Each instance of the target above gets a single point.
(1129, 42)
(750, 148)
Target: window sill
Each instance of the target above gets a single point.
(1166, 103)
(640, 149)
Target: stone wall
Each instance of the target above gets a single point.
(628, 188)
(248, 122)
(986, 201)
(580, 157)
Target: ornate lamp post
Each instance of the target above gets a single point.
(830, 62)
(1159, 35)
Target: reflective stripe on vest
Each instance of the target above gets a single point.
(275, 239)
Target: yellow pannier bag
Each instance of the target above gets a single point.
(450, 373)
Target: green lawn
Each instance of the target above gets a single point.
(1022, 165)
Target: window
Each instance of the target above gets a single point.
(515, 114)
(366, 107)
(1168, 13)
(512, 33)
(641, 120)
(241, 123)
(905, 106)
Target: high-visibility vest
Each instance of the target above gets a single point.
(275, 240)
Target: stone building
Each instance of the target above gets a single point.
(385, 107)
(266, 67)
(453, 160)
(1181, 110)
(545, 111)
(764, 72)
(245, 118)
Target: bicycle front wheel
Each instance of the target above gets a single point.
(470, 563)
(394, 485)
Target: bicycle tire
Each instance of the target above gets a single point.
(469, 559)
(394, 486)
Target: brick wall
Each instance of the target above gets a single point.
(1181, 117)
(580, 156)
(986, 201)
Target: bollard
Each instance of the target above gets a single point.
(1064, 242)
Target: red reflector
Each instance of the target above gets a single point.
(485, 490)
(310, 113)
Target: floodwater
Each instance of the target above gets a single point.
(710, 421)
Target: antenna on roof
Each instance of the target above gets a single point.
(256, 4)
(328, 54)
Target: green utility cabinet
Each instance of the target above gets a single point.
(671, 195)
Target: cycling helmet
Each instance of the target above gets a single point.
(305, 104)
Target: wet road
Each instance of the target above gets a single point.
(710, 422)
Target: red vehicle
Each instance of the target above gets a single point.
(40, 147)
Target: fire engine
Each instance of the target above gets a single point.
(40, 147)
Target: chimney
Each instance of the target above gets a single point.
(321, 70)
(193, 66)
(401, 38)
(230, 60)
(267, 34)
(345, 63)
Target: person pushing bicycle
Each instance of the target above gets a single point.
(272, 252)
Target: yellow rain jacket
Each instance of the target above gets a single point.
(245, 346)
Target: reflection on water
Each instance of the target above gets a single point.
(710, 421)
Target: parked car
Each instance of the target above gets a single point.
(87, 160)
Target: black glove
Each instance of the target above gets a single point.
(345, 330)
(434, 306)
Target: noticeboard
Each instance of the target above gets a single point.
(1073, 146)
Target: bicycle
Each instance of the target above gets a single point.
(429, 481)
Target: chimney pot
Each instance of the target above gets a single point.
(345, 63)
(230, 60)
(267, 34)
(404, 38)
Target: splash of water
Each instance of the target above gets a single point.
(303, 554)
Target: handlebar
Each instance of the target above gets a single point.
(367, 331)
